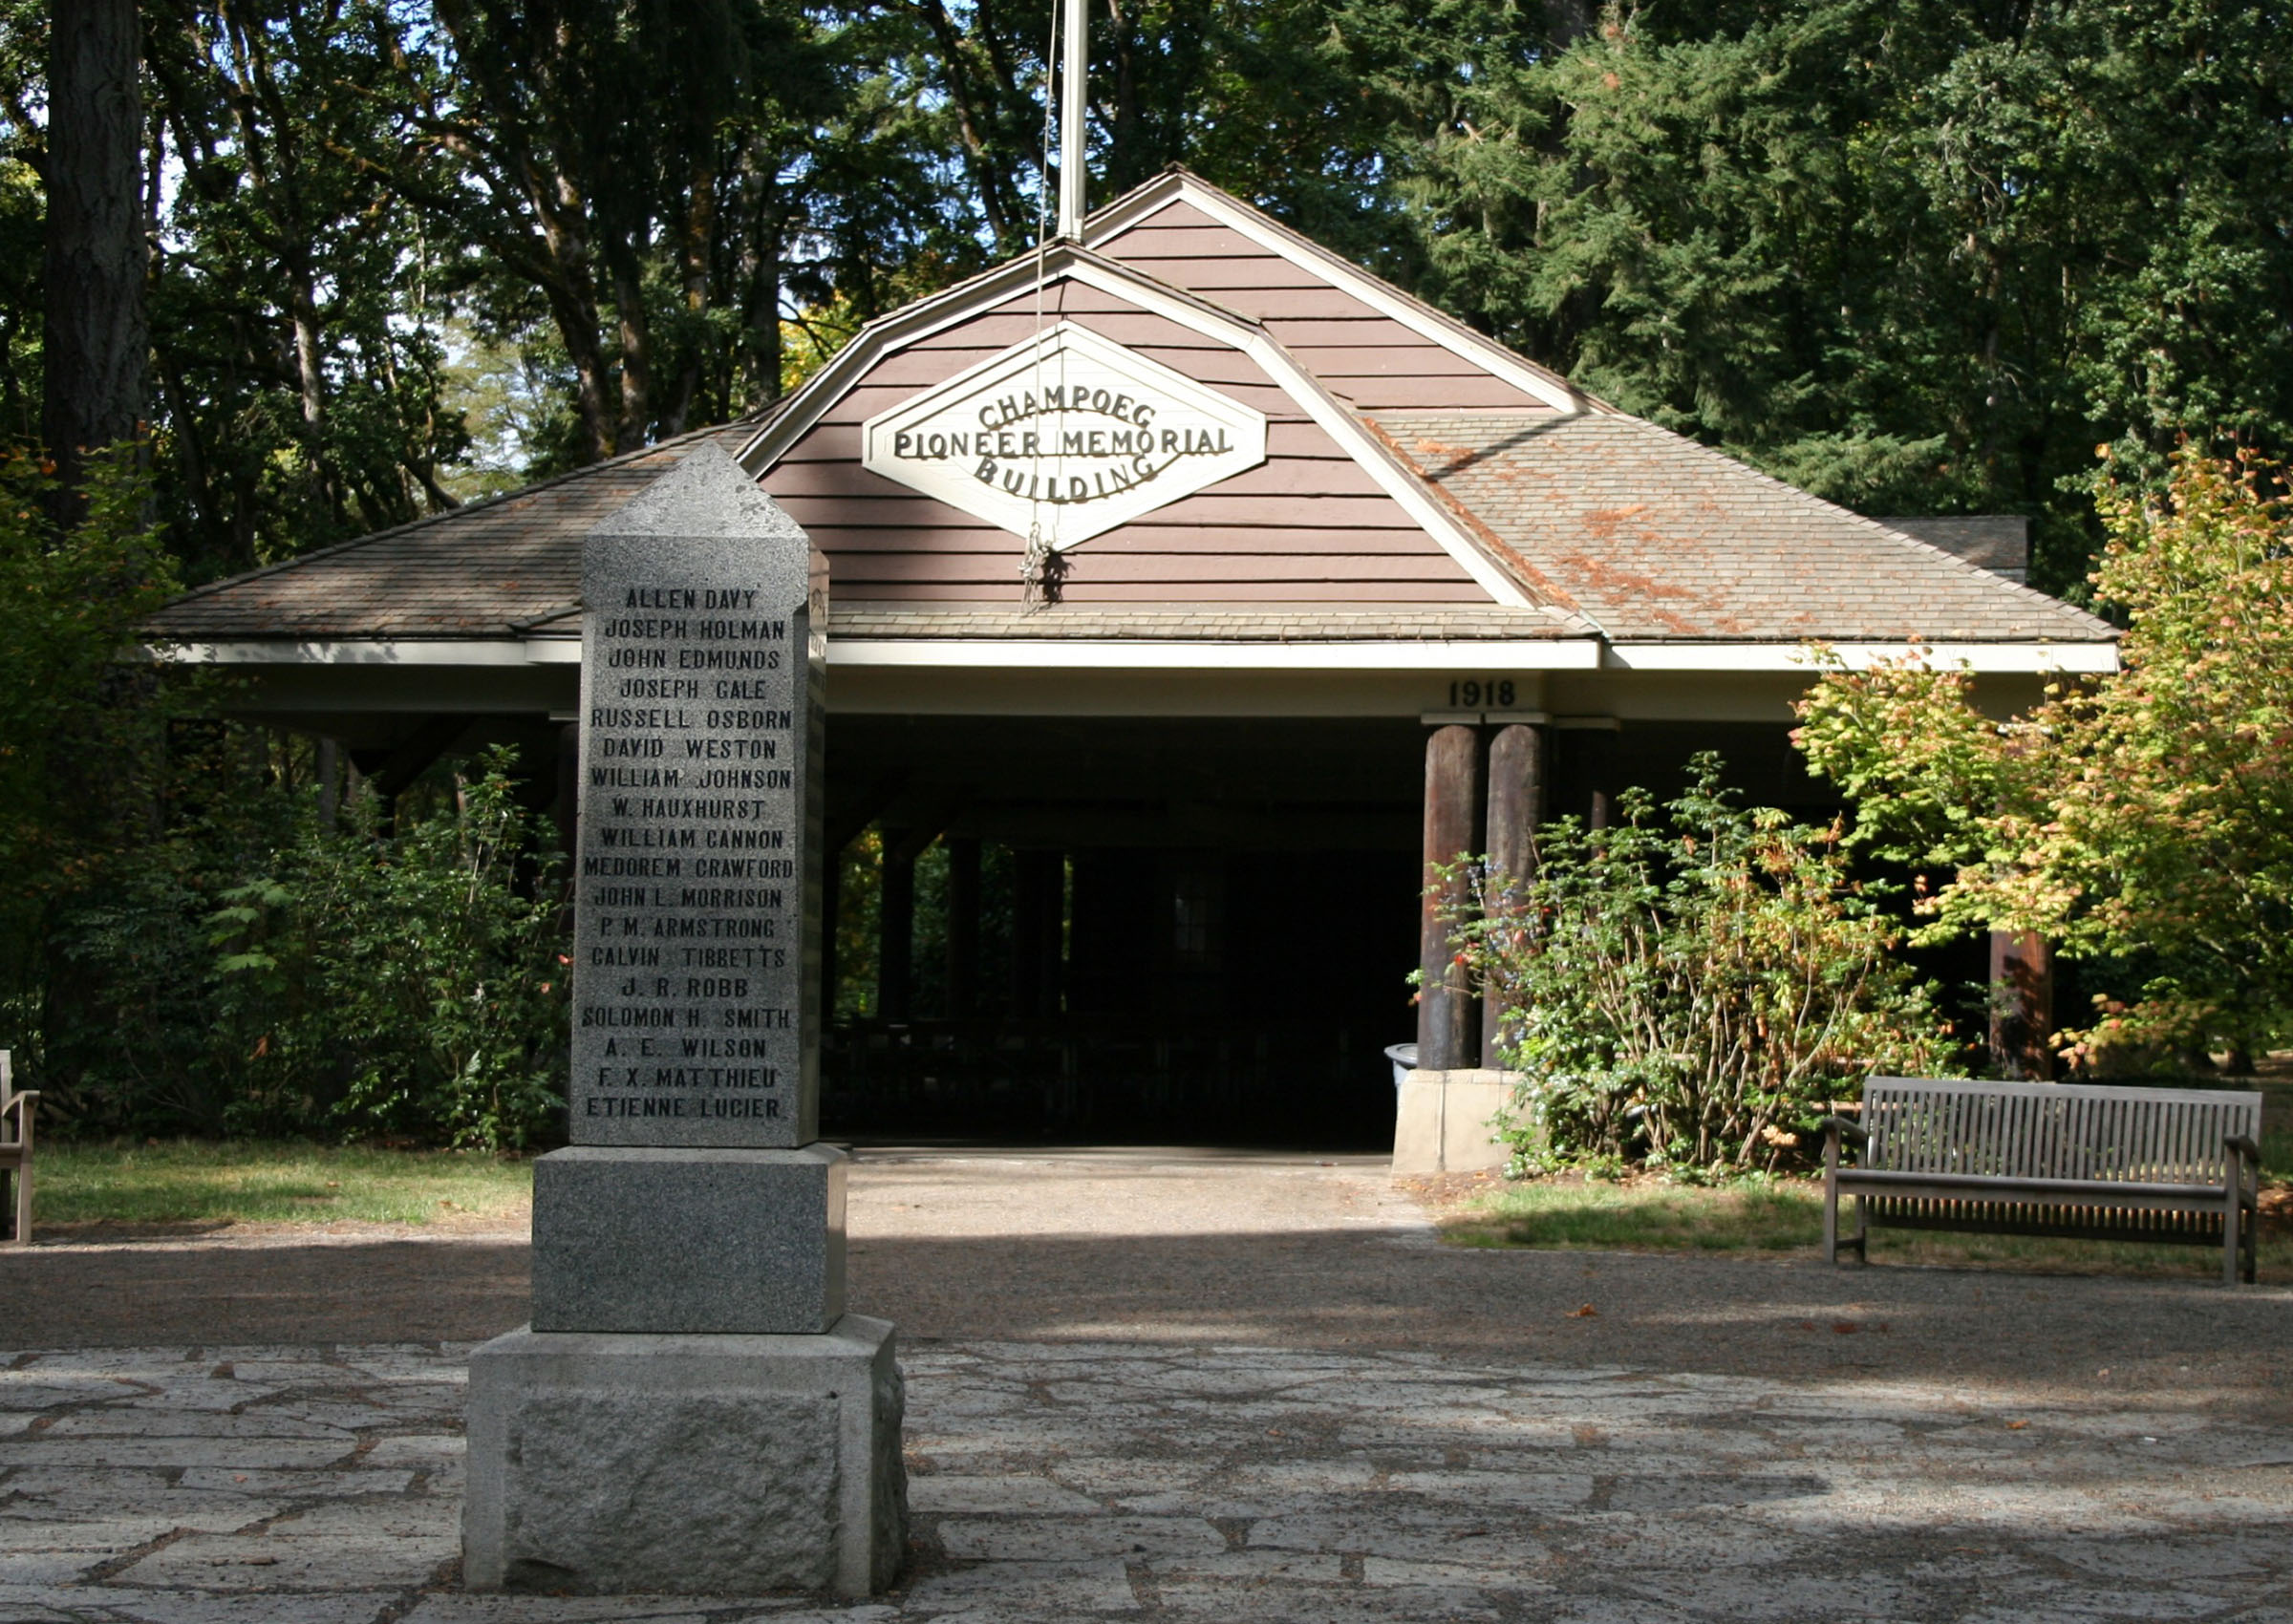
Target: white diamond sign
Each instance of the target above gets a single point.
(1067, 435)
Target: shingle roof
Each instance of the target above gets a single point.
(1654, 537)
(1998, 541)
(1614, 522)
(1614, 525)
(1254, 623)
(485, 570)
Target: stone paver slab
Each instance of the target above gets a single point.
(1055, 1482)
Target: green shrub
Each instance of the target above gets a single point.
(183, 947)
(263, 973)
(1689, 989)
(410, 986)
(80, 730)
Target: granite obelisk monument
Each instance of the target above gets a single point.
(692, 1410)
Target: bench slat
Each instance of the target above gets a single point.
(2066, 1192)
(2053, 1159)
(2166, 1226)
(2055, 1131)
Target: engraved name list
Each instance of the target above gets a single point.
(689, 943)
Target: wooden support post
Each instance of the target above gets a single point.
(565, 810)
(1027, 921)
(1447, 1038)
(963, 929)
(1051, 935)
(328, 769)
(1595, 736)
(2022, 1005)
(1516, 791)
(895, 924)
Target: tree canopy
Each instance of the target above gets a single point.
(2143, 821)
(1916, 255)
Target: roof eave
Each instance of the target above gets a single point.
(1557, 649)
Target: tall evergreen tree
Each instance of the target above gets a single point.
(1917, 257)
(298, 347)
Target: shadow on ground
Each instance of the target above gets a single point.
(1361, 1290)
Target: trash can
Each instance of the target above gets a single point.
(1403, 1056)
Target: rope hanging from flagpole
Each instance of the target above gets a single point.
(1039, 567)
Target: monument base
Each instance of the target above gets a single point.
(611, 1464)
(684, 1241)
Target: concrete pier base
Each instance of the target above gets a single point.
(1444, 1122)
(607, 1464)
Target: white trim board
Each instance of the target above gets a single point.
(1573, 653)
(1046, 654)
(1049, 653)
(463, 651)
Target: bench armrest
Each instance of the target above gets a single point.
(1847, 1127)
(2243, 1145)
(19, 1100)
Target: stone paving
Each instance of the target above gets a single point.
(1056, 1481)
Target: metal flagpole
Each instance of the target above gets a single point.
(1074, 92)
(1037, 578)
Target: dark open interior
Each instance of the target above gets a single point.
(1193, 930)
(1155, 929)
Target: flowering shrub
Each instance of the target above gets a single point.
(1689, 987)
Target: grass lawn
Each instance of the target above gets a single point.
(198, 1182)
(1645, 1214)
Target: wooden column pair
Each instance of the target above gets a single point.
(1452, 1032)
(895, 964)
(1038, 929)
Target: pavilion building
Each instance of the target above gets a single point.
(1191, 590)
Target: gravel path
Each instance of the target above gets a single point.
(1196, 1247)
(1191, 1387)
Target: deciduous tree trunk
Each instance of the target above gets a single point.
(94, 333)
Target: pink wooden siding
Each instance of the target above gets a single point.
(1307, 525)
(1361, 356)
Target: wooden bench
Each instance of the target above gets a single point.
(2155, 1164)
(16, 1149)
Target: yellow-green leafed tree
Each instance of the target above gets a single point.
(2143, 819)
